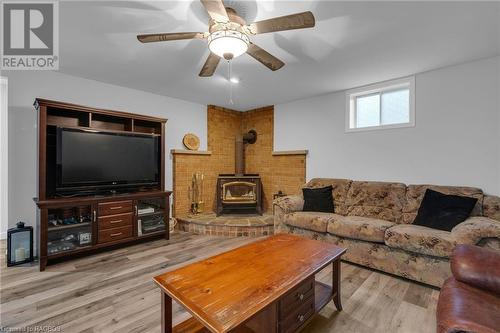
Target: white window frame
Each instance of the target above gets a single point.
(379, 88)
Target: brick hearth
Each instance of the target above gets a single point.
(227, 225)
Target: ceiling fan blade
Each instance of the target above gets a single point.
(264, 57)
(210, 65)
(288, 22)
(216, 10)
(150, 38)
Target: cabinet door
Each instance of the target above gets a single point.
(152, 216)
(70, 228)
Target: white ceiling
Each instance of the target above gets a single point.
(353, 44)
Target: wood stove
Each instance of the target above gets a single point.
(240, 192)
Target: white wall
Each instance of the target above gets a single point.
(25, 86)
(498, 114)
(455, 140)
(4, 179)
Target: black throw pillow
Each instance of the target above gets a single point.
(318, 199)
(442, 211)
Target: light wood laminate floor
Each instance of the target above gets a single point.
(113, 292)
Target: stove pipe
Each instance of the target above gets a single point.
(239, 154)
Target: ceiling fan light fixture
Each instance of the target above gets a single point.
(228, 33)
(228, 44)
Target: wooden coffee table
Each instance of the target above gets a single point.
(267, 286)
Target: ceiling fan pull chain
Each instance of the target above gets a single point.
(230, 84)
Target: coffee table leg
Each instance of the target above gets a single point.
(336, 284)
(166, 313)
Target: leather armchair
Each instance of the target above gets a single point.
(470, 300)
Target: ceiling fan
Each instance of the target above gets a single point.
(228, 35)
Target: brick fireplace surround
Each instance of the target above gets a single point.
(283, 171)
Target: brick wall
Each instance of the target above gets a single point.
(258, 156)
(184, 166)
(284, 172)
(223, 126)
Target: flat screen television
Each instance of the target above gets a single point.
(93, 161)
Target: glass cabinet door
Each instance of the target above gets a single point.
(151, 216)
(70, 228)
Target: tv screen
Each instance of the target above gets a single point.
(88, 158)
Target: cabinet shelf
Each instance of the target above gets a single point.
(159, 212)
(69, 226)
(323, 295)
(151, 234)
(103, 130)
(69, 252)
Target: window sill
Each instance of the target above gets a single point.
(379, 128)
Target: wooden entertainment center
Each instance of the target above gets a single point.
(71, 226)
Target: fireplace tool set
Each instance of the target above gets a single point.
(196, 193)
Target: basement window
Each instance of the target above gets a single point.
(383, 105)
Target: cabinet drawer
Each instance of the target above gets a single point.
(297, 317)
(296, 297)
(115, 221)
(110, 235)
(116, 207)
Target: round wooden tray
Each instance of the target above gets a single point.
(191, 141)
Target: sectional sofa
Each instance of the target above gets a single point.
(373, 220)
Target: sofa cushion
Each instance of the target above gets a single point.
(315, 221)
(415, 195)
(339, 192)
(422, 240)
(357, 227)
(379, 200)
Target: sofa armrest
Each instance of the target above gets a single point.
(476, 266)
(472, 230)
(285, 205)
(491, 207)
(290, 203)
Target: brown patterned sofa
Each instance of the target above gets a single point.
(373, 220)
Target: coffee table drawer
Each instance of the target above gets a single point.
(115, 221)
(110, 235)
(297, 317)
(116, 207)
(296, 297)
